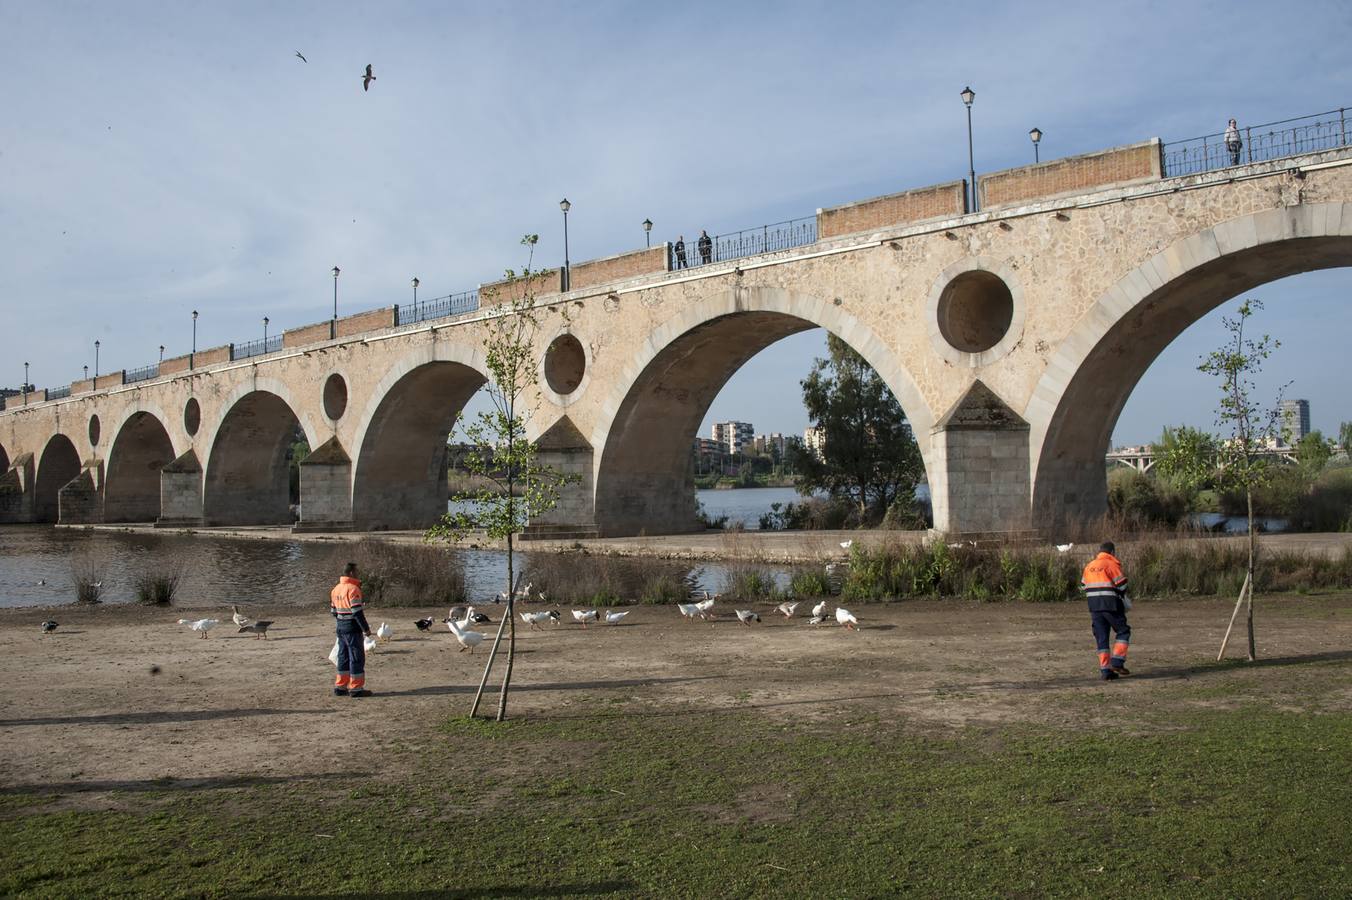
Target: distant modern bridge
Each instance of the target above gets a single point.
(1011, 336)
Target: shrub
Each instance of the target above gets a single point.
(584, 580)
(157, 588)
(745, 582)
(87, 573)
(398, 574)
(809, 583)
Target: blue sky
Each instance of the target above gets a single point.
(160, 158)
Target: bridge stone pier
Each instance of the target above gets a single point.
(1012, 337)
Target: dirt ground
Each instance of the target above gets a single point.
(84, 713)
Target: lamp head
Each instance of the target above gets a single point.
(565, 205)
(194, 315)
(968, 95)
(1035, 134)
(336, 270)
(416, 282)
(265, 321)
(96, 345)
(647, 224)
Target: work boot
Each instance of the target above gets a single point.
(340, 692)
(363, 692)
(1121, 670)
(1107, 675)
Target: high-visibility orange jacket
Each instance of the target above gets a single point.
(345, 602)
(1105, 584)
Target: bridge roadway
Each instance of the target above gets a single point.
(1012, 338)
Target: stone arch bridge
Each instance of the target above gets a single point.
(1011, 336)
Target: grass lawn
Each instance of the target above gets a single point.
(1186, 799)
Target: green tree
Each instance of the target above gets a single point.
(1242, 462)
(516, 486)
(1345, 437)
(1188, 452)
(870, 455)
(1313, 453)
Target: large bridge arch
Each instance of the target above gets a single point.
(4, 459)
(1090, 376)
(141, 447)
(642, 473)
(246, 479)
(399, 478)
(57, 467)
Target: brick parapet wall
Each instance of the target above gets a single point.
(648, 261)
(362, 322)
(307, 334)
(111, 380)
(938, 201)
(497, 292)
(1115, 167)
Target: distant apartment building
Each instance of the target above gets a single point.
(1295, 420)
(773, 445)
(814, 441)
(735, 436)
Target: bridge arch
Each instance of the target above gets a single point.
(131, 486)
(246, 479)
(57, 467)
(1093, 371)
(399, 479)
(4, 459)
(642, 471)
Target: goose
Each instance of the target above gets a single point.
(457, 613)
(688, 610)
(846, 618)
(788, 608)
(845, 545)
(259, 629)
(49, 626)
(554, 616)
(524, 593)
(819, 611)
(585, 615)
(468, 639)
(536, 619)
(706, 604)
(613, 617)
(1064, 548)
(384, 632)
(368, 644)
(201, 626)
(235, 616)
(747, 616)
(816, 620)
(422, 624)
(479, 618)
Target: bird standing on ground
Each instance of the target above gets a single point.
(586, 615)
(259, 629)
(240, 620)
(535, 619)
(201, 626)
(384, 632)
(816, 620)
(845, 545)
(846, 618)
(479, 618)
(301, 56)
(49, 626)
(704, 606)
(787, 608)
(369, 77)
(819, 609)
(368, 644)
(613, 617)
(688, 610)
(468, 639)
(1064, 548)
(747, 616)
(423, 624)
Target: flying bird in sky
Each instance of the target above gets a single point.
(369, 77)
(301, 57)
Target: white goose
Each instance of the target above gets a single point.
(688, 610)
(586, 615)
(537, 619)
(468, 639)
(706, 604)
(846, 618)
(237, 618)
(201, 626)
(613, 617)
(747, 616)
(384, 632)
(368, 644)
(788, 608)
(819, 610)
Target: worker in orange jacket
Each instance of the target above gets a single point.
(1105, 584)
(347, 607)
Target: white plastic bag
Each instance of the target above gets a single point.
(333, 654)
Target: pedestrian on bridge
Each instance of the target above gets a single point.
(706, 247)
(347, 607)
(679, 247)
(1105, 584)
(1232, 141)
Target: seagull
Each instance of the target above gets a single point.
(820, 609)
(367, 78)
(1064, 548)
(49, 626)
(201, 626)
(468, 639)
(235, 616)
(259, 628)
(384, 632)
(747, 616)
(613, 617)
(301, 57)
(788, 608)
(585, 615)
(423, 624)
(689, 610)
(845, 545)
(846, 618)
(42, 582)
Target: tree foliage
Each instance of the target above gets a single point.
(1313, 452)
(870, 456)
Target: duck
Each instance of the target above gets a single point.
(479, 618)
(201, 626)
(384, 632)
(468, 639)
(846, 618)
(422, 624)
(819, 610)
(49, 626)
(747, 616)
(240, 620)
(259, 628)
(586, 615)
(787, 608)
(613, 617)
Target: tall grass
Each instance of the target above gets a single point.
(748, 582)
(583, 580)
(409, 574)
(157, 588)
(87, 574)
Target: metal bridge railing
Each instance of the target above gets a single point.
(1258, 143)
(748, 242)
(145, 373)
(256, 348)
(437, 308)
(58, 393)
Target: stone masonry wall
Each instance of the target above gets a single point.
(941, 200)
(1117, 167)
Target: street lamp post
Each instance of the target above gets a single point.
(192, 357)
(415, 299)
(161, 354)
(968, 95)
(265, 334)
(96, 360)
(1035, 135)
(25, 384)
(86, 373)
(648, 231)
(567, 275)
(333, 323)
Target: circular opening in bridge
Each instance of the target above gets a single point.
(335, 396)
(975, 310)
(192, 416)
(565, 361)
(95, 429)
